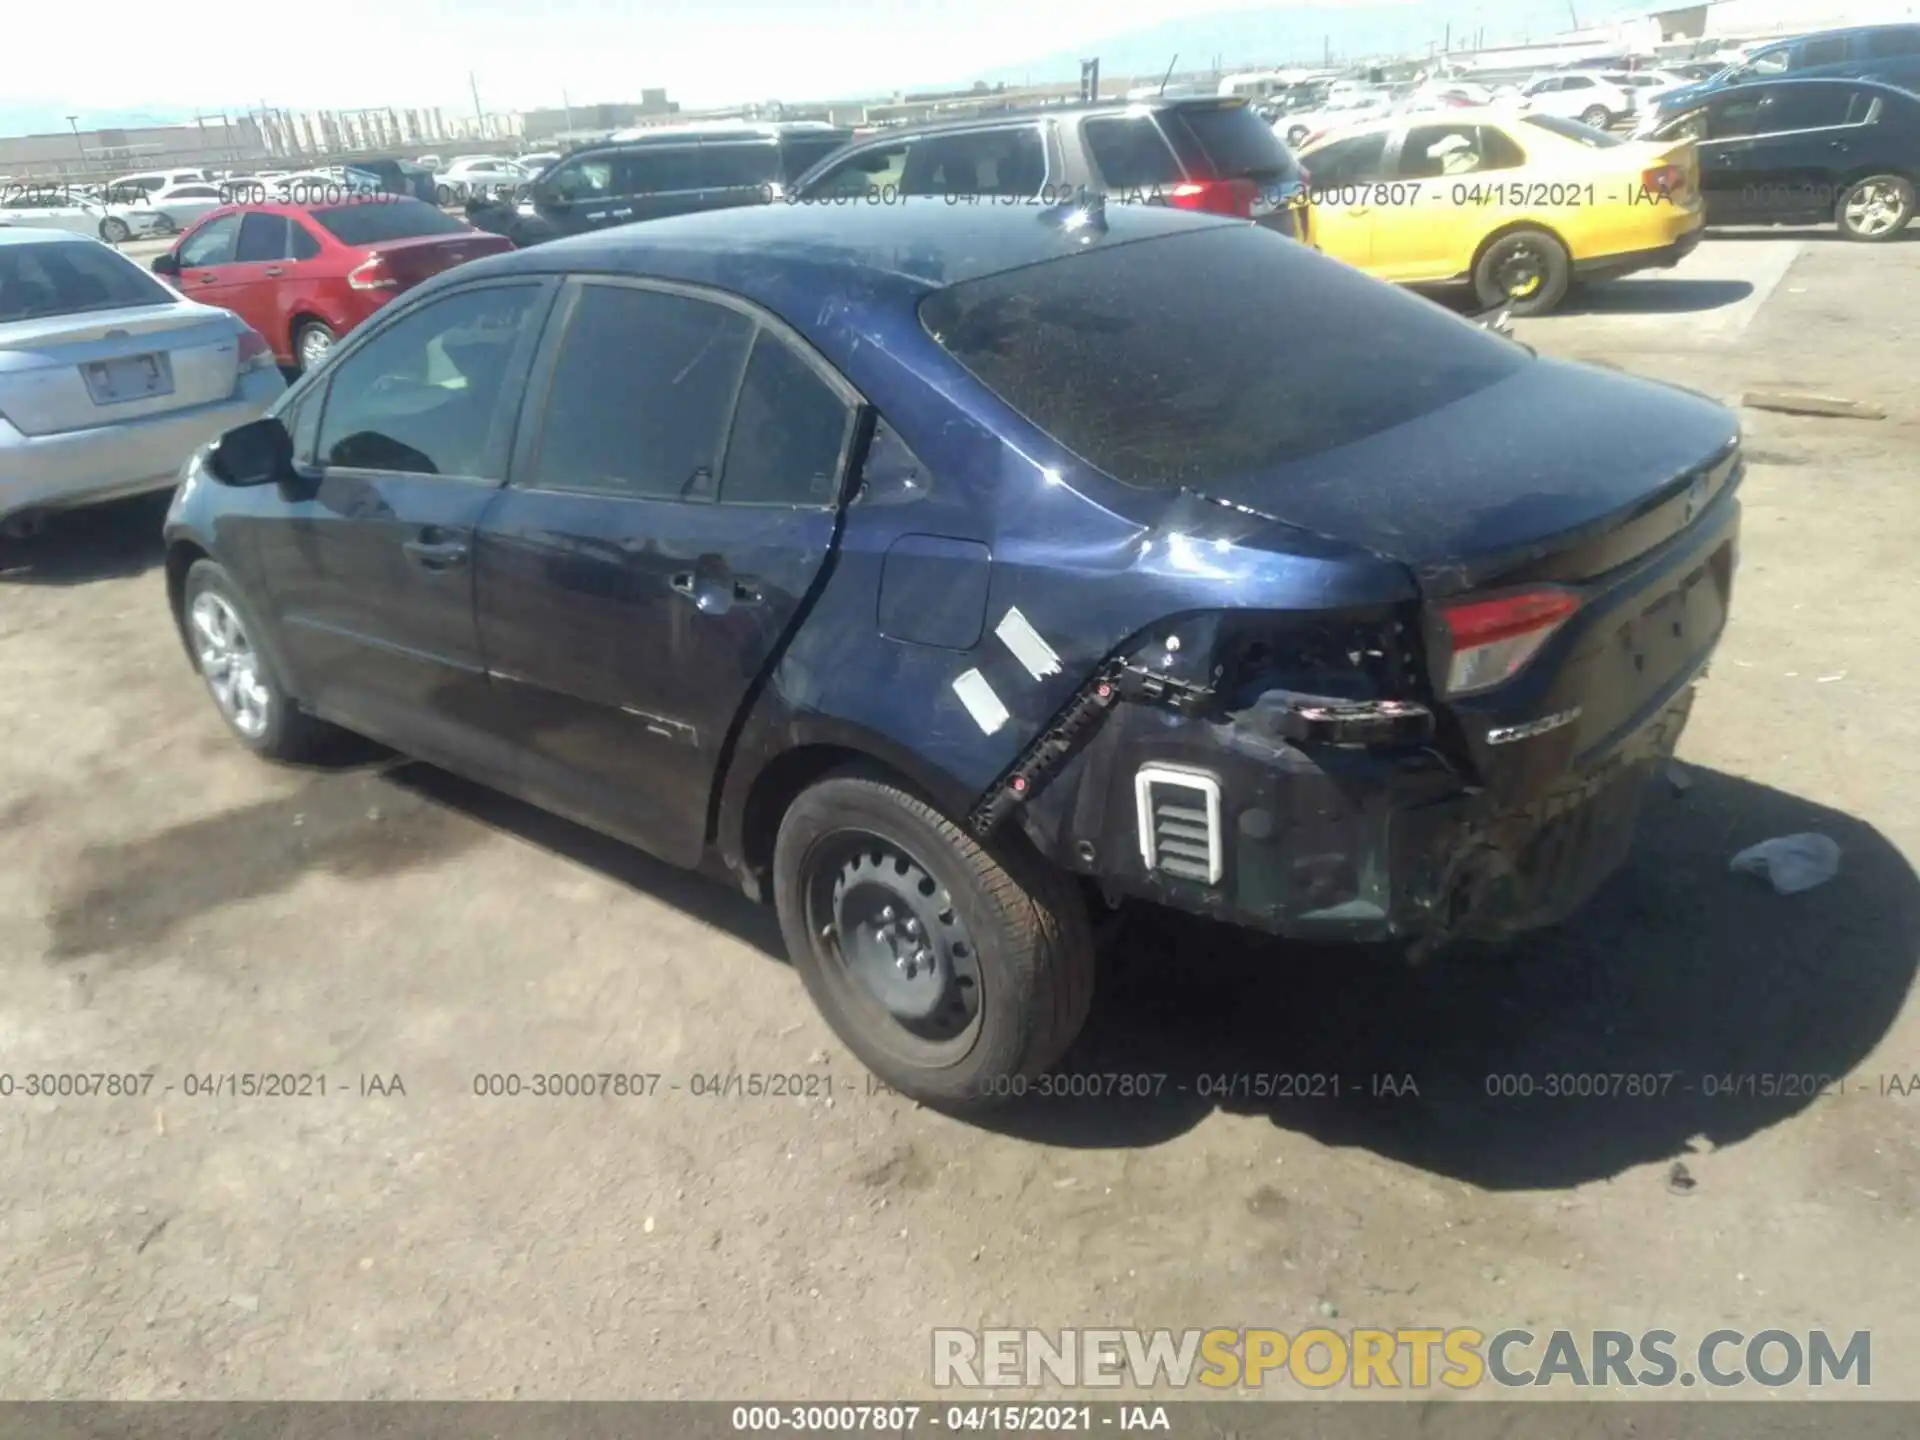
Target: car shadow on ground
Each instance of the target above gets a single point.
(1680, 973)
(1824, 234)
(1653, 295)
(100, 542)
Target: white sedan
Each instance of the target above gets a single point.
(56, 208)
(472, 176)
(1349, 109)
(178, 206)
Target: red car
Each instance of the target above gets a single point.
(304, 275)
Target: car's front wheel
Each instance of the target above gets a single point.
(115, 231)
(225, 640)
(1526, 271)
(956, 974)
(312, 343)
(1598, 116)
(1876, 208)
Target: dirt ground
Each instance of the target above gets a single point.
(168, 904)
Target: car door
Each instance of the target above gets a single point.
(259, 263)
(652, 182)
(1343, 175)
(672, 505)
(205, 256)
(369, 559)
(1777, 148)
(1430, 219)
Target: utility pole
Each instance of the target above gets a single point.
(480, 119)
(1448, 47)
(73, 123)
(566, 105)
(1573, 15)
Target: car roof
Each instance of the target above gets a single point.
(770, 253)
(1033, 113)
(36, 234)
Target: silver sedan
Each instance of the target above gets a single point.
(109, 381)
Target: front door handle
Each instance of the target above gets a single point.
(273, 272)
(431, 553)
(207, 279)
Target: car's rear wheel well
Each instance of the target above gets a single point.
(181, 557)
(782, 782)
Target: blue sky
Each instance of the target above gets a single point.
(351, 53)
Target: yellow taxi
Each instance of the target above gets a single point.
(1518, 205)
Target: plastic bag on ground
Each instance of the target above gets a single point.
(1791, 863)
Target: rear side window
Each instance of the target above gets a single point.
(372, 221)
(877, 172)
(1228, 142)
(1883, 44)
(262, 237)
(305, 247)
(1176, 362)
(1010, 161)
(640, 395)
(71, 279)
(735, 167)
(788, 432)
(1573, 130)
(1830, 51)
(1860, 105)
(652, 172)
(1130, 153)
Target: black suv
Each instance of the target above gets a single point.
(1211, 153)
(674, 170)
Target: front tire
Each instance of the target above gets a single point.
(1875, 209)
(224, 638)
(312, 343)
(953, 972)
(115, 231)
(1598, 116)
(1526, 270)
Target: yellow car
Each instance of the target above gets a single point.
(1518, 205)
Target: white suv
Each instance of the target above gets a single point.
(1578, 95)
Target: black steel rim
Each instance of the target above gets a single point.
(894, 947)
(1520, 271)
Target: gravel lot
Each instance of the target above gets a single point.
(168, 904)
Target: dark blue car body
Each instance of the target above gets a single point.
(1887, 53)
(675, 672)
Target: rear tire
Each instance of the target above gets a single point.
(223, 635)
(164, 226)
(1598, 116)
(312, 343)
(1526, 271)
(1876, 209)
(953, 972)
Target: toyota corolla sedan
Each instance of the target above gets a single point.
(108, 379)
(942, 573)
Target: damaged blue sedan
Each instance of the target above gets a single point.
(944, 572)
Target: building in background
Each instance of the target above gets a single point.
(212, 142)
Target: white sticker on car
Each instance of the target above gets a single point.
(981, 701)
(1029, 647)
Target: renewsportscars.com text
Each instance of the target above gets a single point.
(1416, 1359)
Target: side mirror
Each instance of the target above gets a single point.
(257, 453)
(168, 264)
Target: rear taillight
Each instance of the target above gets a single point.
(1664, 181)
(372, 274)
(1216, 197)
(1492, 640)
(255, 353)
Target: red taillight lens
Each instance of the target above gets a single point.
(1664, 181)
(1494, 639)
(1216, 197)
(255, 353)
(372, 274)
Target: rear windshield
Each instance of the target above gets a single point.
(368, 222)
(1219, 353)
(71, 278)
(1233, 142)
(1573, 130)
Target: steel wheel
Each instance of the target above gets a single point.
(229, 664)
(316, 343)
(1596, 116)
(1525, 271)
(895, 944)
(164, 226)
(1877, 208)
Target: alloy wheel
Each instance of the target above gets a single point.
(229, 664)
(1875, 208)
(315, 345)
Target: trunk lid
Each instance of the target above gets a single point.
(1558, 471)
(421, 257)
(75, 371)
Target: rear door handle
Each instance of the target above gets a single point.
(431, 553)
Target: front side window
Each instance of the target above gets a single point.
(874, 171)
(1348, 162)
(422, 397)
(788, 432)
(581, 180)
(1433, 151)
(211, 244)
(640, 395)
(1772, 62)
